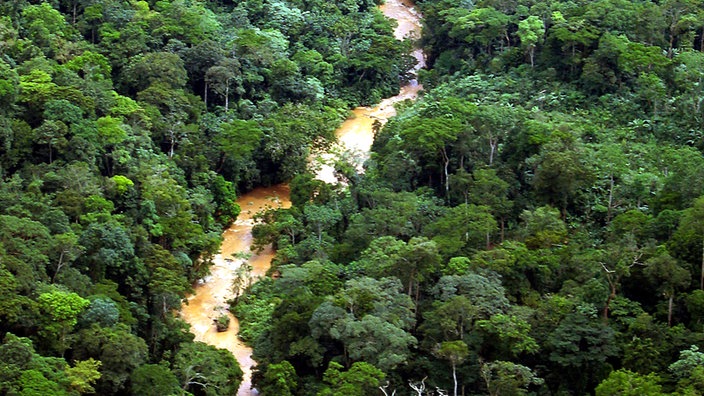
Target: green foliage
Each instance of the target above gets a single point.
(62, 310)
(508, 378)
(119, 352)
(154, 380)
(625, 382)
(279, 379)
(371, 319)
(543, 227)
(26, 372)
(83, 374)
(204, 368)
(361, 379)
(688, 361)
(497, 214)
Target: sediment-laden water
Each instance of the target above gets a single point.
(355, 135)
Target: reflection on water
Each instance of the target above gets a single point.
(354, 135)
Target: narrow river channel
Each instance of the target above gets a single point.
(211, 294)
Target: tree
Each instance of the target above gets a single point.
(53, 134)
(433, 136)
(581, 346)
(9, 86)
(611, 166)
(491, 191)
(371, 318)
(25, 372)
(449, 320)
(83, 374)
(109, 251)
(361, 379)
(69, 250)
(481, 287)
(170, 110)
(617, 260)
(680, 16)
(279, 379)
(223, 76)
(689, 360)
(237, 141)
(543, 227)
(463, 227)
(627, 383)
(119, 351)
(689, 235)
(508, 378)
(455, 352)
(155, 67)
(689, 77)
(102, 311)
(205, 369)
(320, 218)
(242, 280)
(668, 276)
(412, 262)
(62, 310)
(560, 171)
(530, 31)
(482, 27)
(154, 380)
(575, 36)
(509, 334)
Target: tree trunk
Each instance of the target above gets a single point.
(503, 227)
(446, 160)
(410, 283)
(172, 143)
(701, 277)
(612, 295)
(492, 144)
(227, 95)
(58, 266)
(221, 163)
(609, 211)
(669, 309)
(205, 96)
(454, 377)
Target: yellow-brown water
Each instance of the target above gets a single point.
(210, 297)
(355, 135)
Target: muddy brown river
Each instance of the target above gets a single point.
(355, 135)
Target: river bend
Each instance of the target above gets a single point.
(355, 135)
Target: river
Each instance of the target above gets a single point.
(210, 296)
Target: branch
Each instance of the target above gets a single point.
(419, 388)
(636, 260)
(383, 389)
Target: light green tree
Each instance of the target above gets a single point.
(61, 309)
(531, 31)
(455, 352)
(627, 383)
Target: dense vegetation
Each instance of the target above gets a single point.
(532, 225)
(126, 127)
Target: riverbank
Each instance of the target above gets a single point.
(355, 135)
